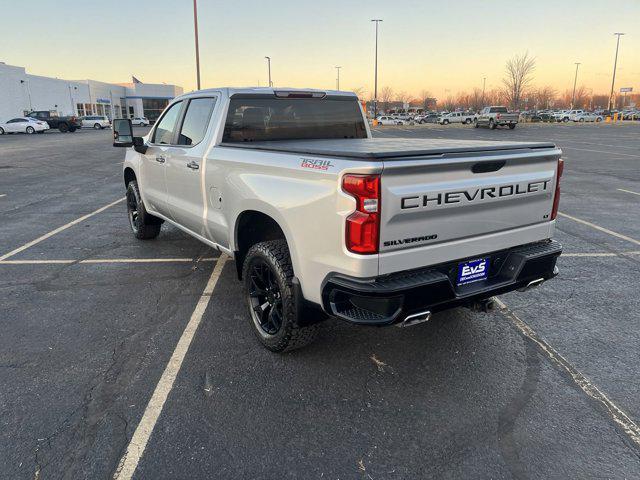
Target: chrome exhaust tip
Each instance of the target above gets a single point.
(532, 284)
(415, 319)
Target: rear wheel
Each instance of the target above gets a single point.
(512, 126)
(144, 225)
(1, 131)
(445, 122)
(31, 130)
(275, 318)
(63, 127)
(97, 126)
(581, 120)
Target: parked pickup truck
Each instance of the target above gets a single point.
(324, 220)
(64, 124)
(494, 117)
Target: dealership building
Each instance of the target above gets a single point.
(21, 93)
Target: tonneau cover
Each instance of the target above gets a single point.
(383, 148)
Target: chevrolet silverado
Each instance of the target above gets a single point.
(324, 220)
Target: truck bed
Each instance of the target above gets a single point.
(386, 148)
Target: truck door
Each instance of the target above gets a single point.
(153, 184)
(185, 167)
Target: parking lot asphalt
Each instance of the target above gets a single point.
(91, 320)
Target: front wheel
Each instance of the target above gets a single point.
(97, 126)
(492, 124)
(1, 131)
(512, 126)
(445, 122)
(143, 225)
(268, 289)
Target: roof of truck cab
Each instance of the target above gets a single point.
(382, 148)
(229, 91)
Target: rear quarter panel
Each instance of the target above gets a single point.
(307, 203)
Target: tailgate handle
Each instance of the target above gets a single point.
(485, 167)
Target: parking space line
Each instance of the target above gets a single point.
(602, 229)
(58, 230)
(628, 191)
(138, 443)
(620, 417)
(106, 260)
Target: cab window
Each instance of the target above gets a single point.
(163, 133)
(196, 121)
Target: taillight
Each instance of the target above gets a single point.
(556, 196)
(363, 225)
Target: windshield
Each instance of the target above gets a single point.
(263, 118)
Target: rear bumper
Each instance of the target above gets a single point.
(392, 298)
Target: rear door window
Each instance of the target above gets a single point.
(165, 130)
(196, 121)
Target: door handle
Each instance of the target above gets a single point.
(193, 165)
(160, 159)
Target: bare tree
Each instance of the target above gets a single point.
(545, 97)
(403, 97)
(518, 77)
(360, 92)
(386, 94)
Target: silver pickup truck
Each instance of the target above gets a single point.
(494, 117)
(324, 220)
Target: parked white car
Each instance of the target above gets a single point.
(97, 122)
(23, 125)
(455, 117)
(140, 121)
(587, 117)
(388, 120)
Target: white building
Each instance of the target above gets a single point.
(21, 93)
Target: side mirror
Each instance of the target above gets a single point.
(123, 136)
(122, 133)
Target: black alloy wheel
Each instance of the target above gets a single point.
(265, 297)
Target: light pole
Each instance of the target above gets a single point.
(338, 78)
(575, 80)
(195, 25)
(375, 88)
(269, 70)
(484, 84)
(615, 64)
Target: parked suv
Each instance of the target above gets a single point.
(95, 121)
(140, 121)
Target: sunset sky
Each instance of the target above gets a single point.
(444, 47)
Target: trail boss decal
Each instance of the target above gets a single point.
(316, 164)
(473, 271)
(431, 200)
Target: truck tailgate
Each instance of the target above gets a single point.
(451, 197)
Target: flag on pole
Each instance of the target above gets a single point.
(135, 80)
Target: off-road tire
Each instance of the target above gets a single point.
(143, 225)
(291, 335)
